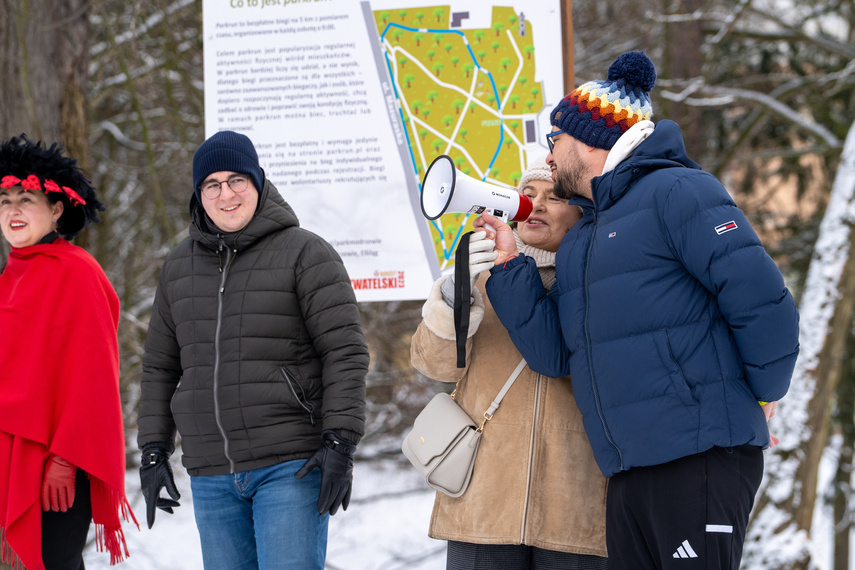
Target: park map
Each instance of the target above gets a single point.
(469, 93)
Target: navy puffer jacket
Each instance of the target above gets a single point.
(668, 314)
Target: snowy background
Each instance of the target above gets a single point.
(385, 526)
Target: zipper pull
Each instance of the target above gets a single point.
(220, 247)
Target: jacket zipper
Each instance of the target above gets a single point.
(590, 351)
(225, 271)
(301, 397)
(531, 456)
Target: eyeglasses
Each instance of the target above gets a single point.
(212, 189)
(550, 142)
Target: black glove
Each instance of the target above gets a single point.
(155, 474)
(335, 460)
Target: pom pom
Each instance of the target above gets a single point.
(635, 68)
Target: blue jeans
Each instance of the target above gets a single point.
(264, 518)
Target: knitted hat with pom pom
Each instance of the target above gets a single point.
(599, 112)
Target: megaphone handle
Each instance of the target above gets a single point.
(503, 217)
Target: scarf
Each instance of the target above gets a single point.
(545, 260)
(627, 143)
(59, 394)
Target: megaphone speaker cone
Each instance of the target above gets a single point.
(445, 190)
(438, 187)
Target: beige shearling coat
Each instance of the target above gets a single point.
(535, 481)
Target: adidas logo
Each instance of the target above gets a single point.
(685, 551)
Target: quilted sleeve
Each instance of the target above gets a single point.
(331, 315)
(161, 371)
(530, 315)
(717, 246)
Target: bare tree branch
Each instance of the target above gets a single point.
(727, 95)
(143, 29)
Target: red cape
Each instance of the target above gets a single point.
(59, 393)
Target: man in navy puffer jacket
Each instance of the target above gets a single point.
(673, 322)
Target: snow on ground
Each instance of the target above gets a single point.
(385, 526)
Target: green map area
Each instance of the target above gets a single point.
(469, 93)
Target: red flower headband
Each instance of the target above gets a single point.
(32, 182)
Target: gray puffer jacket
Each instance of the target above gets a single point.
(254, 347)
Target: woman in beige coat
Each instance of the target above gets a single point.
(536, 498)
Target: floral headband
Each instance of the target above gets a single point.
(32, 182)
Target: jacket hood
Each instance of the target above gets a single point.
(664, 148)
(272, 214)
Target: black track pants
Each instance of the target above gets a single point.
(689, 514)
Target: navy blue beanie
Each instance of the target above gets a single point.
(599, 112)
(226, 151)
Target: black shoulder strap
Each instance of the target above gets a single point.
(462, 296)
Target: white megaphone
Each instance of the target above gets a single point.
(445, 190)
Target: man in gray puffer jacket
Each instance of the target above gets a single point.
(255, 355)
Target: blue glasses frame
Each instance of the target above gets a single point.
(549, 141)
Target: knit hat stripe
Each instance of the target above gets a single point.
(637, 106)
(612, 111)
(622, 103)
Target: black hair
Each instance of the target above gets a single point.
(20, 157)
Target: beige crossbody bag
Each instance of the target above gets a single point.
(444, 440)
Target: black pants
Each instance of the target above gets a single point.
(64, 534)
(468, 556)
(689, 514)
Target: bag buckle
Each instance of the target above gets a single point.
(487, 417)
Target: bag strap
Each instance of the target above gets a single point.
(462, 296)
(488, 415)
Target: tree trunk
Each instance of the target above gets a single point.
(43, 71)
(780, 533)
(45, 47)
(843, 478)
(682, 59)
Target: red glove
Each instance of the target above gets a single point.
(58, 486)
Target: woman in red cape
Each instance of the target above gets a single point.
(62, 445)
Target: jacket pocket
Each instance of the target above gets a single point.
(172, 399)
(299, 394)
(675, 371)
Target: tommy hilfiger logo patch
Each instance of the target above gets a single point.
(726, 227)
(685, 551)
(613, 234)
